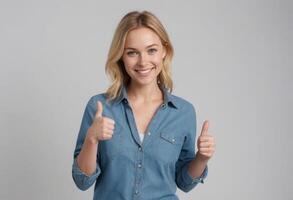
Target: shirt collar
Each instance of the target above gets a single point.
(168, 98)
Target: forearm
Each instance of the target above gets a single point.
(197, 166)
(87, 158)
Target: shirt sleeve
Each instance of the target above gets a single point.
(82, 180)
(184, 180)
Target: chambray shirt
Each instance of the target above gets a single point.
(151, 169)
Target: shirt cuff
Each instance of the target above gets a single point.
(188, 178)
(82, 180)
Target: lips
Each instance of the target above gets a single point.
(144, 72)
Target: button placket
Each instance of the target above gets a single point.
(138, 171)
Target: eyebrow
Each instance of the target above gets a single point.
(146, 47)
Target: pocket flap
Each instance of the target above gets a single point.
(170, 137)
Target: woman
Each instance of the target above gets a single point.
(137, 140)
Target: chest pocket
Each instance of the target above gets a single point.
(169, 145)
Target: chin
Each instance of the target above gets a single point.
(145, 82)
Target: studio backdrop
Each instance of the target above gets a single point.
(233, 62)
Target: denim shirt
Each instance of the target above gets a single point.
(128, 168)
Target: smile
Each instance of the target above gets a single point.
(144, 72)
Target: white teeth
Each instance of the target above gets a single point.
(144, 71)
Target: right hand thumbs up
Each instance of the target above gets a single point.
(99, 109)
(102, 128)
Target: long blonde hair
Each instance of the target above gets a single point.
(115, 66)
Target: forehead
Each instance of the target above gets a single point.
(141, 37)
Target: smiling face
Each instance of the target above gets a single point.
(143, 56)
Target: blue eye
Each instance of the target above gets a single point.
(131, 53)
(152, 51)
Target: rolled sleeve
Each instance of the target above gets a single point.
(183, 179)
(188, 180)
(81, 179)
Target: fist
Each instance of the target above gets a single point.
(102, 128)
(206, 142)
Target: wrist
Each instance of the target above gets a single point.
(201, 158)
(91, 140)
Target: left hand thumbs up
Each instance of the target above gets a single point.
(205, 142)
(205, 127)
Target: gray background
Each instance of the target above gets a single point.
(233, 61)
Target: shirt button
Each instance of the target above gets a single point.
(173, 140)
(149, 133)
(139, 165)
(136, 191)
(139, 148)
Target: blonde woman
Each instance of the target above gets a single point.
(137, 140)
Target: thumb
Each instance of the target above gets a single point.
(99, 109)
(205, 127)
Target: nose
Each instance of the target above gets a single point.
(142, 60)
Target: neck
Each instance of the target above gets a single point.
(146, 93)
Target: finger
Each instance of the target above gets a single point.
(207, 150)
(205, 127)
(205, 144)
(205, 138)
(107, 131)
(107, 136)
(99, 109)
(110, 126)
(109, 120)
(204, 150)
(207, 154)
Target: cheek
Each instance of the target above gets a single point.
(129, 62)
(157, 60)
